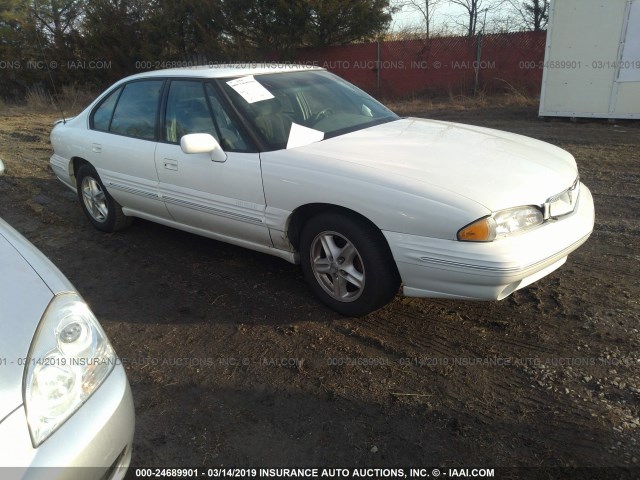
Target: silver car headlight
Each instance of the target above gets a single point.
(501, 224)
(69, 358)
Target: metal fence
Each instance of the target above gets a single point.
(445, 65)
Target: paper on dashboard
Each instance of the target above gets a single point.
(300, 136)
(250, 89)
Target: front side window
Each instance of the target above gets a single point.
(187, 112)
(136, 110)
(194, 107)
(233, 136)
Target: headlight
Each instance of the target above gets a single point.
(502, 224)
(69, 359)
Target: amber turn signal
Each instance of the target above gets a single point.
(482, 230)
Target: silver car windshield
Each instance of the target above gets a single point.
(296, 108)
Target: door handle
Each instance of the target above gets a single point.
(170, 164)
(96, 148)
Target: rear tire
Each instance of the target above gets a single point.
(100, 208)
(347, 263)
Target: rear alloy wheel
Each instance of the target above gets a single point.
(348, 264)
(100, 208)
(95, 201)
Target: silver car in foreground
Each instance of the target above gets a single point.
(65, 401)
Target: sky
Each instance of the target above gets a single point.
(443, 13)
(407, 17)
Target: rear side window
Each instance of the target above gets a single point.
(102, 115)
(136, 110)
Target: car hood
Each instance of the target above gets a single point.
(494, 168)
(27, 285)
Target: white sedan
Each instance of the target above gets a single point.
(65, 401)
(298, 163)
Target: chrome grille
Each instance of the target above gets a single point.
(563, 203)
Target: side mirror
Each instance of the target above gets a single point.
(1, 167)
(203, 143)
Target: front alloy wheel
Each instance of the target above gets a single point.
(337, 266)
(347, 263)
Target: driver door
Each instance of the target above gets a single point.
(224, 199)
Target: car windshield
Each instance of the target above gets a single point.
(296, 108)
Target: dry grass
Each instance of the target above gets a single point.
(71, 100)
(38, 100)
(513, 98)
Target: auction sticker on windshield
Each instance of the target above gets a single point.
(250, 89)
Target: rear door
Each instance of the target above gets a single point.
(123, 143)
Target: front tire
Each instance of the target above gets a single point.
(100, 208)
(347, 263)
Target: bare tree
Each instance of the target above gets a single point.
(503, 22)
(425, 8)
(531, 14)
(474, 11)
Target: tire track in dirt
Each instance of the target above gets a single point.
(485, 401)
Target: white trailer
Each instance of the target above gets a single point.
(592, 60)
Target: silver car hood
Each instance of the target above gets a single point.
(28, 281)
(494, 168)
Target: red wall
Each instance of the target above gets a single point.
(437, 66)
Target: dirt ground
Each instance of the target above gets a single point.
(234, 363)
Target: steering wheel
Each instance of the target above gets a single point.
(324, 113)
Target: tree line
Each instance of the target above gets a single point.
(99, 41)
(470, 17)
(124, 34)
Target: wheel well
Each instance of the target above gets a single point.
(300, 215)
(77, 162)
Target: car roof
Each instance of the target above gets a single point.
(225, 70)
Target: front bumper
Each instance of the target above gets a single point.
(94, 443)
(432, 267)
